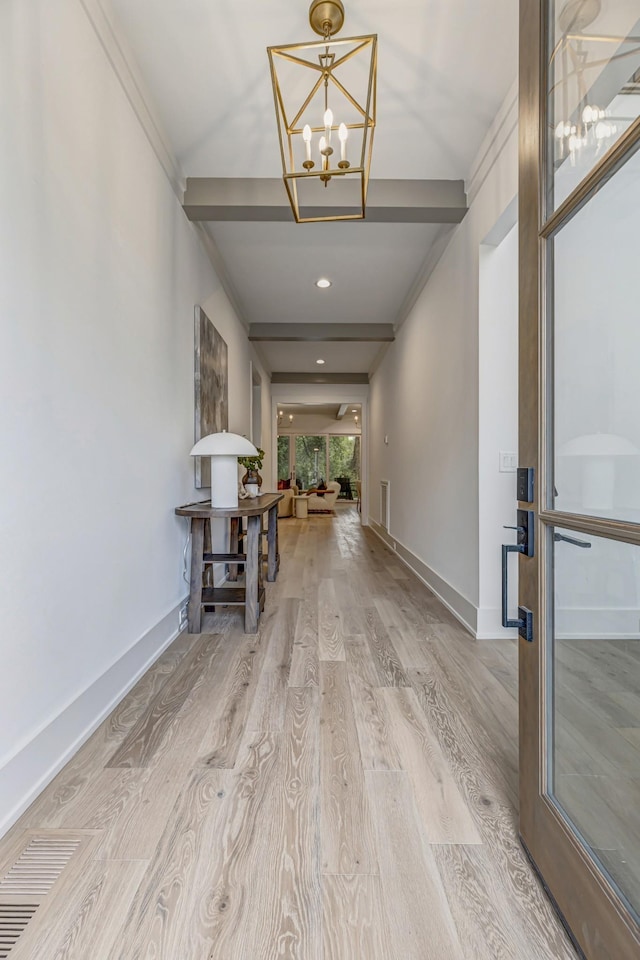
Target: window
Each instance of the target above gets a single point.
(284, 468)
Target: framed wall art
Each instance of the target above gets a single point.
(211, 388)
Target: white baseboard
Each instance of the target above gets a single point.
(27, 771)
(462, 609)
(597, 623)
(489, 625)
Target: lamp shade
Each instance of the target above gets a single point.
(599, 445)
(598, 453)
(224, 445)
(224, 450)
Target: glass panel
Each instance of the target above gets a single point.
(596, 343)
(344, 465)
(595, 703)
(311, 461)
(594, 85)
(284, 468)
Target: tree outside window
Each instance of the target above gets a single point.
(311, 461)
(344, 460)
(284, 469)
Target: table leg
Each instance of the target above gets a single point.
(272, 545)
(232, 569)
(251, 609)
(194, 614)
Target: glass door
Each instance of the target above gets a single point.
(344, 464)
(284, 458)
(580, 431)
(311, 461)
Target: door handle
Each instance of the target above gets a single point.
(525, 546)
(576, 543)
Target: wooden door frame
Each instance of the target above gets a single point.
(597, 919)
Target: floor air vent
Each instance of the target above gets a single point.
(40, 859)
(13, 922)
(38, 866)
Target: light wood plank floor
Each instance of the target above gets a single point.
(341, 786)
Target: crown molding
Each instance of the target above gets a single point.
(122, 61)
(218, 264)
(502, 128)
(124, 66)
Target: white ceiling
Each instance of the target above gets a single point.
(274, 266)
(444, 68)
(295, 357)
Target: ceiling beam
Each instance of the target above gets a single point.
(321, 332)
(388, 201)
(319, 378)
(342, 409)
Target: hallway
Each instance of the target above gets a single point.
(341, 786)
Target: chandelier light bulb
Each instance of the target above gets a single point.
(306, 136)
(328, 123)
(325, 150)
(343, 135)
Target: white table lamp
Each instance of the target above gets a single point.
(224, 450)
(599, 452)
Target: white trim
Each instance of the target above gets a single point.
(35, 761)
(597, 623)
(489, 625)
(121, 59)
(501, 129)
(436, 251)
(597, 636)
(457, 604)
(123, 63)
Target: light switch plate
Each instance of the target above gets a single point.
(508, 461)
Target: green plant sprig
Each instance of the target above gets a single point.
(253, 463)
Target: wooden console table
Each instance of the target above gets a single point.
(251, 595)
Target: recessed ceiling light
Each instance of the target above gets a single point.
(320, 362)
(354, 411)
(323, 283)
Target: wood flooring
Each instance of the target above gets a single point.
(340, 786)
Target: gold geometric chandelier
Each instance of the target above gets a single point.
(325, 99)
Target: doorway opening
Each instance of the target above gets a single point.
(321, 444)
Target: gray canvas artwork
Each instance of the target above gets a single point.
(211, 388)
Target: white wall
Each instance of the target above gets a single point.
(497, 425)
(424, 397)
(100, 273)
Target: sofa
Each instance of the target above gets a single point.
(286, 507)
(324, 503)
